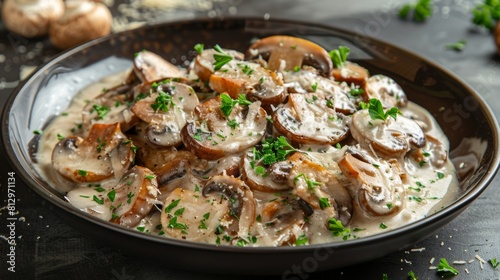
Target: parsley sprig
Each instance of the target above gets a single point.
(422, 10)
(227, 103)
(485, 14)
(199, 48)
(339, 56)
(102, 111)
(338, 229)
(445, 268)
(376, 110)
(221, 58)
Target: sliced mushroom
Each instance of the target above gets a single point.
(150, 67)
(274, 179)
(376, 186)
(386, 90)
(392, 138)
(434, 153)
(190, 216)
(251, 79)
(308, 119)
(242, 205)
(320, 188)
(134, 196)
(351, 73)
(166, 112)
(284, 53)
(306, 81)
(110, 107)
(211, 137)
(104, 153)
(204, 62)
(90, 201)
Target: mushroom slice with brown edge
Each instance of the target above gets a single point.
(104, 153)
(376, 187)
(150, 67)
(110, 107)
(134, 196)
(386, 90)
(251, 79)
(242, 206)
(204, 62)
(351, 73)
(214, 136)
(320, 188)
(166, 112)
(285, 53)
(190, 216)
(392, 137)
(308, 119)
(257, 177)
(434, 153)
(306, 81)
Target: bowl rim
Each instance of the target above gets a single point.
(460, 204)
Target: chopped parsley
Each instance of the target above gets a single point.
(111, 195)
(227, 103)
(311, 184)
(129, 197)
(440, 175)
(102, 111)
(172, 205)
(150, 176)
(301, 240)
(175, 225)
(339, 56)
(273, 150)
(98, 200)
(494, 263)
(356, 91)
(445, 268)
(338, 229)
(82, 173)
(221, 58)
(232, 123)
(59, 137)
(314, 86)
(382, 226)
(162, 102)
(246, 69)
(323, 202)
(457, 46)
(412, 276)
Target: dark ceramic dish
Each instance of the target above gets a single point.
(461, 112)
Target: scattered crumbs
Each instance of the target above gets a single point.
(437, 236)
(471, 261)
(267, 16)
(459, 262)
(407, 252)
(22, 219)
(432, 260)
(449, 248)
(418, 249)
(442, 109)
(466, 271)
(41, 217)
(480, 259)
(19, 237)
(442, 243)
(432, 267)
(461, 165)
(38, 237)
(407, 261)
(47, 226)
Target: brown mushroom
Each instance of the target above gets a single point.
(31, 18)
(110, 107)
(150, 67)
(134, 196)
(386, 90)
(392, 137)
(251, 79)
(376, 186)
(306, 81)
(82, 21)
(213, 136)
(105, 152)
(204, 62)
(274, 178)
(284, 53)
(320, 188)
(165, 112)
(242, 205)
(350, 73)
(308, 119)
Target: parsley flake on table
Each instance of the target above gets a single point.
(419, 11)
(494, 263)
(445, 268)
(458, 46)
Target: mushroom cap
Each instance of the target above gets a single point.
(82, 21)
(150, 67)
(262, 182)
(351, 73)
(386, 90)
(293, 51)
(204, 62)
(31, 18)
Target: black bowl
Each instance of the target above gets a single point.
(464, 116)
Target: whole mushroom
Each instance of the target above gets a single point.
(31, 18)
(82, 21)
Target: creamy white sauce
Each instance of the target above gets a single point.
(425, 192)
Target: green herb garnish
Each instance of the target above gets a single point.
(458, 46)
(445, 268)
(199, 48)
(339, 56)
(172, 205)
(111, 195)
(301, 240)
(420, 11)
(102, 111)
(98, 200)
(227, 103)
(494, 263)
(485, 14)
(221, 58)
(376, 110)
(162, 102)
(323, 202)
